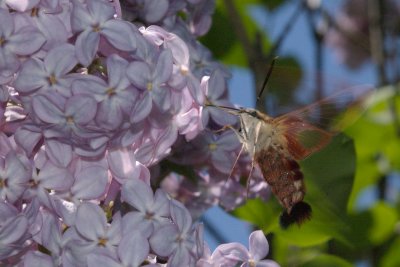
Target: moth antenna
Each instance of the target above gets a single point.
(267, 78)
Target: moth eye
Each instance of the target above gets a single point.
(253, 113)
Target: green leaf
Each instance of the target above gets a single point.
(375, 125)
(220, 47)
(392, 256)
(326, 260)
(260, 213)
(329, 178)
(222, 40)
(384, 218)
(273, 4)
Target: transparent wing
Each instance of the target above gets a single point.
(302, 138)
(325, 114)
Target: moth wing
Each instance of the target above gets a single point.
(324, 113)
(302, 138)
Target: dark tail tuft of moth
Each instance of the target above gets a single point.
(300, 212)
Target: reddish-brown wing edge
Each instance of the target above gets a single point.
(302, 138)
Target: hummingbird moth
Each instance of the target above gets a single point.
(277, 144)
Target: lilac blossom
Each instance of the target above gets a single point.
(41, 14)
(14, 229)
(217, 149)
(232, 254)
(151, 210)
(115, 97)
(124, 166)
(91, 106)
(150, 11)
(176, 241)
(51, 74)
(153, 79)
(95, 20)
(49, 178)
(15, 42)
(92, 234)
(133, 249)
(66, 118)
(15, 172)
(216, 97)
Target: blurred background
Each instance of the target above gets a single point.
(323, 47)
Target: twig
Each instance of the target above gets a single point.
(286, 29)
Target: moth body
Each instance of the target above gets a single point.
(265, 140)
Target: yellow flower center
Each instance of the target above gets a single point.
(149, 86)
(102, 242)
(52, 79)
(212, 146)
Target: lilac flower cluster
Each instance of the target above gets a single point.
(96, 96)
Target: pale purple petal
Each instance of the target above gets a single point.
(116, 67)
(180, 258)
(162, 240)
(26, 41)
(87, 44)
(163, 68)
(51, 235)
(82, 107)
(155, 10)
(181, 216)
(55, 35)
(90, 221)
(59, 153)
(14, 229)
(133, 249)
(233, 251)
(120, 34)
(258, 245)
(137, 194)
(161, 203)
(142, 108)
(136, 221)
(96, 260)
(46, 110)
(217, 84)
(109, 116)
(31, 77)
(162, 98)
(61, 59)
(80, 18)
(6, 23)
(179, 49)
(100, 11)
(22, 5)
(37, 259)
(90, 84)
(267, 263)
(139, 74)
(90, 183)
(53, 177)
(27, 137)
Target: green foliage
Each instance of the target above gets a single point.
(273, 4)
(327, 261)
(222, 40)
